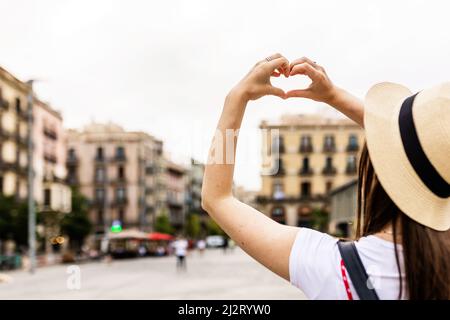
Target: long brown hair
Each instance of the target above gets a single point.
(426, 252)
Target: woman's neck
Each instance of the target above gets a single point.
(387, 233)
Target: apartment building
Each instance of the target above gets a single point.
(304, 158)
(13, 135)
(175, 183)
(50, 190)
(120, 172)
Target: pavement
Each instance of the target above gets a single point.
(213, 275)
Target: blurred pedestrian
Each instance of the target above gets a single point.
(201, 245)
(180, 245)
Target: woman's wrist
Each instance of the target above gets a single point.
(238, 95)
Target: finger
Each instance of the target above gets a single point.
(306, 60)
(275, 74)
(306, 69)
(281, 64)
(299, 93)
(274, 91)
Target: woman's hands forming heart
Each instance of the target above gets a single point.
(257, 83)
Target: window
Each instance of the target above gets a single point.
(280, 168)
(121, 216)
(329, 162)
(100, 216)
(278, 190)
(305, 144)
(99, 194)
(120, 193)
(328, 186)
(352, 143)
(100, 155)
(18, 105)
(121, 172)
(71, 154)
(1, 185)
(351, 164)
(100, 174)
(279, 215)
(120, 153)
(47, 197)
(328, 144)
(305, 189)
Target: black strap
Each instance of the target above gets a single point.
(415, 153)
(356, 271)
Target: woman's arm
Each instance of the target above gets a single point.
(264, 239)
(323, 90)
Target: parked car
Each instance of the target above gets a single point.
(215, 241)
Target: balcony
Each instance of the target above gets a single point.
(72, 160)
(329, 171)
(50, 133)
(329, 148)
(98, 202)
(350, 169)
(50, 157)
(306, 148)
(99, 159)
(119, 158)
(4, 105)
(352, 148)
(306, 172)
(118, 202)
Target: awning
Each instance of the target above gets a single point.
(128, 234)
(160, 236)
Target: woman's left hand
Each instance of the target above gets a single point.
(256, 83)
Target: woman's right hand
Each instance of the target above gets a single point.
(321, 88)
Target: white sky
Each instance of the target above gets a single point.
(165, 66)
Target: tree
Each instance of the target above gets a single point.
(193, 225)
(14, 220)
(213, 228)
(320, 219)
(76, 224)
(162, 224)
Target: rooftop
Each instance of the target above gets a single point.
(289, 120)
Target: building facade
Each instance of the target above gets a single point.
(343, 205)
(51, 193)
(13, 135)
(175, 183)
(120, 172)
(304, 158)
(194, 187)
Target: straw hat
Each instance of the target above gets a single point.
(408, 138)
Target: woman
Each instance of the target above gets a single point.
(403, 219)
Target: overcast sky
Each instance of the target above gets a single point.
(165, 66)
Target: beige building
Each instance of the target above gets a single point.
(120, 172)
(13, 135)
(343, 204)
(49, 149)
(175, 183)
(304, 158)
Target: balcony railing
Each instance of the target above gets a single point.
(120, 201)
(99, 159)
(119, 158)
(306, 172)
(72, 160)
(350, 169)
(329, 148)
(329, 171)
(306, 148)
(352, 148)
(4, 104)
(51, 134)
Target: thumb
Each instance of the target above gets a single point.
(274, 91)
(300, 93)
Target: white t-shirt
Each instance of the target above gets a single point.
(315, 266)
(180, 247)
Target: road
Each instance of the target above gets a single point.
(215, 275)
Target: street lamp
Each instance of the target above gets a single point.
(30, 180)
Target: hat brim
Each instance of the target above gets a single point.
(393, 169)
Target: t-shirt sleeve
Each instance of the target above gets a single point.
(312, 261)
